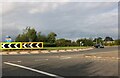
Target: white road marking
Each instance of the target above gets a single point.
(31, 69)
(14, 61)
(19, 61)
(40, 59)
(65, 58)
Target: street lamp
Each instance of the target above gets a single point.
(80, 43)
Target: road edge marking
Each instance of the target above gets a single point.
(31, 69)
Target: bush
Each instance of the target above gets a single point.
(49, 45)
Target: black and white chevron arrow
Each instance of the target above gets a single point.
(11, 45)
(31, 45)
(24, 45)
(37, 45)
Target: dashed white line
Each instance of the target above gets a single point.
(40, 59)
(65, 57)
(31, 69)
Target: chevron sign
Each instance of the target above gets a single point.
(32, 45)
(11, 45)
(21, 45)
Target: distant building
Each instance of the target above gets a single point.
(110, 41)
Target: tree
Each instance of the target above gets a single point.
(21, 38)
(41, 38)
(31, 34)
(24, 38)
(85, 42)
(68, 42)
(73, 43)
(18, 38)
(98, 40)
(51, 37)
(63, 42)
(60, 42)
(78, 41)
(117, 42)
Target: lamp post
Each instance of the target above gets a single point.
(80, 43)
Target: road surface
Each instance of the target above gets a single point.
(62, 65)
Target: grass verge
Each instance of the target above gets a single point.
(47, 48)
(62, 48)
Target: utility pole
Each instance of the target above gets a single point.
(80, 43)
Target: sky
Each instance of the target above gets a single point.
(70, 20)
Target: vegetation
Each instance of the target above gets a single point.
(62, 48)
(108, 39)
(117, 42)
(63, 42)
(98, 40)
(31, 35)
(85, 42)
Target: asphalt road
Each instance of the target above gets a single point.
(60, 65)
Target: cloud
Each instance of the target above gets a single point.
(69, 20)
(44, 7)
(61, 0)
(31, 7)
(6, 7)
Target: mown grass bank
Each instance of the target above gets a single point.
(49, 48)
(62, 48)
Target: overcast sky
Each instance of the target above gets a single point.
(71, 20)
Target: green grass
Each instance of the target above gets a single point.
(48, 48)
(62, 48)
